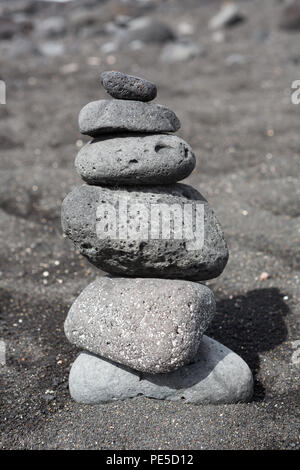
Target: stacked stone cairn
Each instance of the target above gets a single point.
(142, 325)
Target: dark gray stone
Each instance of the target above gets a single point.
(11, 26)
(108, 116)
(145, 30)
(151, 325)
(127, 87)
(139, 159)
(216, 376)
(85, 221)
(290, 16)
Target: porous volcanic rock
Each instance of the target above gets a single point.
(140, 159)
(151, 325)
(110, 227)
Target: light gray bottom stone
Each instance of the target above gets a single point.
(217, 375)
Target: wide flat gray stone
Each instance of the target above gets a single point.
(139, 159)
(112, 116)
(151, 325)
(108, 227)
(127, 87)
(216, 376)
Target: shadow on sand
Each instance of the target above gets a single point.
(250, 324)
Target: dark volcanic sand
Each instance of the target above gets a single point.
(245, 133)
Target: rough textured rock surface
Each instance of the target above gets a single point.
(144, 30)
(217, 375)
(127, 87)
(84, 221)
(151, 325)
(127, 159)
(107, 116)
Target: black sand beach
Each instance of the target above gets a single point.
(234, 103)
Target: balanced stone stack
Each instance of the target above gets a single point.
(142, 325)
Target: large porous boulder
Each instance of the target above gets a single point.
(151, 325)
(111, 116)
(156, 231)
(217, 375)
(139, 159)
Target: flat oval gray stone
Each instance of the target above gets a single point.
(112, 116)
(94, 218)
(142, 159)
(127, 87)
(216, 376)
(151, 325)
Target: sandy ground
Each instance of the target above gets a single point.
(244, 130)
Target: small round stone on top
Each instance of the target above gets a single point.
(127, 87)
